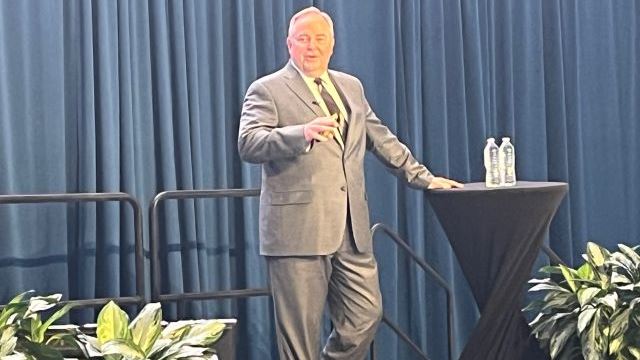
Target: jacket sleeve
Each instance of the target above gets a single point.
(392, 153)
(260, 138)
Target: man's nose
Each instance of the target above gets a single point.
(312, 44)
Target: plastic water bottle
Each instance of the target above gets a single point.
(492, 163)
(507, 162)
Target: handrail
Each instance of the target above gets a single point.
(552, 255)
(139, 299)
(434, 274)
(403, 336)
(154, 245)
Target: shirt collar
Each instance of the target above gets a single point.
(307, 78)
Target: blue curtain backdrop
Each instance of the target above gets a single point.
(142, 97)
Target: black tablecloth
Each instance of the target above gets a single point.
(496, 234)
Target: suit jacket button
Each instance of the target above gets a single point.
(343, 188)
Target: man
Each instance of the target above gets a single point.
(309, 127)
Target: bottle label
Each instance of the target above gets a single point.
(509, 166)
(494, 177)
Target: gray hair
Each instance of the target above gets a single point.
(307, 11)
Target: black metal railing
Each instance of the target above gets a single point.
(139, 298)
(154, 231)
(553, 257)
(379, 227)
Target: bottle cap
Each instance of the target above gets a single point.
(491, 139)
(506, 138)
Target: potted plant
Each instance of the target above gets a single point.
(591, 312)
(23, 330)
(144, 337)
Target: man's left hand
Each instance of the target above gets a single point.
(444, 183)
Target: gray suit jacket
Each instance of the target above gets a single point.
(306, 195)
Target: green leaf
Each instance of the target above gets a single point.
(545, 329)
(7, 347)
(634, 302)
(569, 276)
(631, 254)
(538, 319)
(610, 300)
(177, 335)
(559, 339)
(534, 305)
(634, 351)
(618, 279)
(584, 319)
(7, 341)
(34, 324)
(67, 341)
(560, 301)
(205, 334)
(21, 297)
(540, 281)
(596, 254)
(41, 303)
(586, 295)
(615, 345)
(188, 352)
(592, 340)
(160, 348)
(548, 287)
(61, 339)
(91, 346)
(571, 350)
(586, 272)
(7, 317)
(622, 262)
(122, 347)
(550, 269)
(619, 323)
(598, 257)
(40, 351)
(146, 328)
(55, 316)
(629, 287)
(17, 305)
(178, 329)
(17, 356)
(113, 323)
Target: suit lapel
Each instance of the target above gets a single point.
(297, 85)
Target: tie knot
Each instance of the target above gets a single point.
(318, 81)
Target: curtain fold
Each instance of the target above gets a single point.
(142, 97)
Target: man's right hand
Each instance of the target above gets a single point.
(320, 129)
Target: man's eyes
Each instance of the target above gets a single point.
(306, 39)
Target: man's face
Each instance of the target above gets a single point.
(311, 44)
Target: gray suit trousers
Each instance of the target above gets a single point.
(347, 281)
